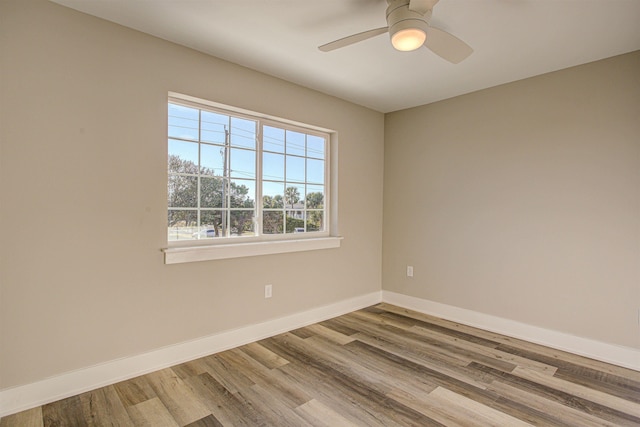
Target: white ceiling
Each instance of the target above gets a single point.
(512, 39)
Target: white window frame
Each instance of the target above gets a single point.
(181, 251)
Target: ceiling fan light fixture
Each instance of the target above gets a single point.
(408, 39)
(408, 25)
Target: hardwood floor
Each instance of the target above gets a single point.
(381, 366)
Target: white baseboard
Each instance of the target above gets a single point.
(28, 396)
(610, 353)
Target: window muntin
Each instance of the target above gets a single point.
(221, 162)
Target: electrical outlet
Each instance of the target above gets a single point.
(409, 271)
(268, 290)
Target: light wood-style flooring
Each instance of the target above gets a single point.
(381, 366)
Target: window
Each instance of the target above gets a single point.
(236, 177)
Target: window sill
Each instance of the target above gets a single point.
(239, 250)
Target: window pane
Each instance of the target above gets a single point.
(315, 171)
(243, 133)
(183, 157)
(295, 143)
(211, 192)
(210, 225)
(242, 223)
(243, 163)
(214, 127)
(315, 221)
(273, 166)
(315, 197)
(273, 139)
(295, 168)
(273, 222)
(294, 196)
(182, 224)
(315, 146)
(182, 191)
(183, 122)
(294, 220)
(243, 193)
(273, 195)
(211, 160)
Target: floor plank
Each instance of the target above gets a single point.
(28, 418)
(315, 413)
(469, 412)
(151, 413)
(103, 407)
(64, 412)
(380, 366)
(229, 408)
(183, 405)
(134, 391)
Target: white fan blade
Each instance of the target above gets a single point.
(422, 6)
(355, 38)
(447, 46)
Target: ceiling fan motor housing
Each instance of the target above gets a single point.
(401, 18)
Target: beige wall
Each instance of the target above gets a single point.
(83, 193)
(523, 201)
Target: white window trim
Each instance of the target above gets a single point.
(192, 251)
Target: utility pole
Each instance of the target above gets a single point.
(225, 180)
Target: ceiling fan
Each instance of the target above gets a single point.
(408, 26)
